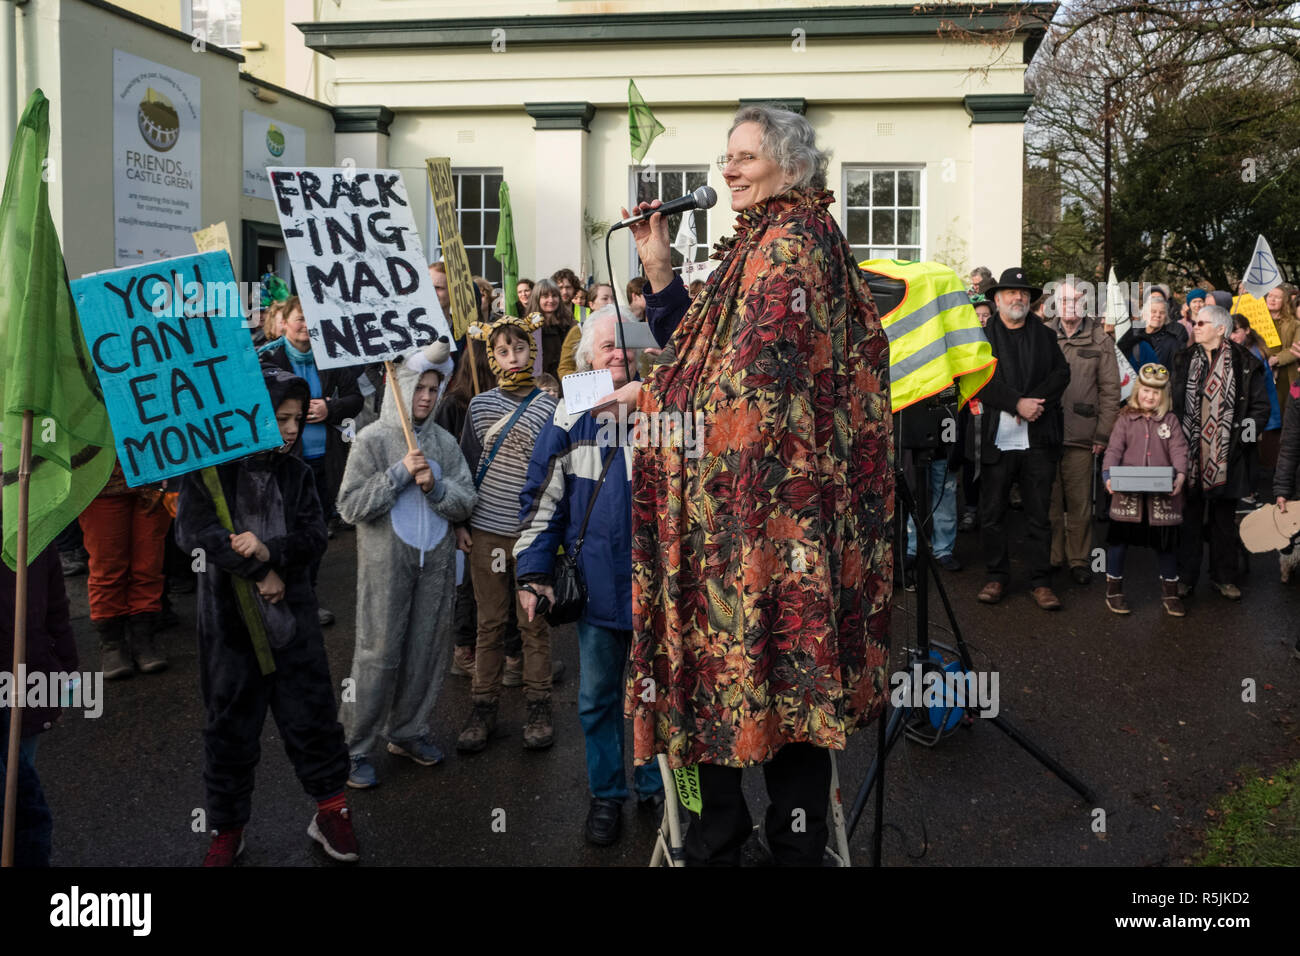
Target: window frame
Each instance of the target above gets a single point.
(434, 251)
(187, 26)
(920, 207)
(701, 238)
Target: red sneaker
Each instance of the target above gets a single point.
(225, 847)
(332, 829)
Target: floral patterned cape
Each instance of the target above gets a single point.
(762, 576)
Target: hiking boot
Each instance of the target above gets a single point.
(482, 722)
(115, 660)
(422, 750)
(145, 643)
(1169, 597)
(604, 821)
(462, 661)
(225, 847)
(114, 652)
(332, 829)
(361, 775)
(513, 675)
(539, 732)
(1115, 595)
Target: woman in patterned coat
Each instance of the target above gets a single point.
(762, 575)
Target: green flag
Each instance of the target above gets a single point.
(505, 252)
(641, 123)
(45, 366)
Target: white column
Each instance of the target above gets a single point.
(560, 149)
(997, 140)
(997, 165)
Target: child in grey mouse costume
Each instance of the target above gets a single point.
(404, 505)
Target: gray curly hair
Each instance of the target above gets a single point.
(790, 141)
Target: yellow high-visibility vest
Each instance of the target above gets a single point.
(934, 334)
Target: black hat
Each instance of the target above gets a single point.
(1014, 278)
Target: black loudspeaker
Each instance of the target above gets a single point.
(925, 425)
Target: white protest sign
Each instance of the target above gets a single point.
(357, 262)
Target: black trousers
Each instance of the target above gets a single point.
(1214, 519)
(467, 619)
(798, 783)
(236, 696)
(1034, 471)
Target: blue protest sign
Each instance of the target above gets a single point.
(180, 377)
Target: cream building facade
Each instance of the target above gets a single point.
(926, 131)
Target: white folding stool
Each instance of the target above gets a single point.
(668, 838)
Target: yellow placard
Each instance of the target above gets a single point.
(1256, 311)
(460, 280)
(214, 239)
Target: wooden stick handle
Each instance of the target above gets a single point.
(20, 644)
(402, 411)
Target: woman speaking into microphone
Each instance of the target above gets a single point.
(761, 568)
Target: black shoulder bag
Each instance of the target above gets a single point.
(570, 588)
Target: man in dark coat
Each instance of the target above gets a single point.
(1021, 406)
(1223, 422)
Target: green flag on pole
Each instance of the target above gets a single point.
(641, 123)
(505, 252)
(45, 366)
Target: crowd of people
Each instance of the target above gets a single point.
(1208, 400)
(737, 605)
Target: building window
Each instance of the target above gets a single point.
(668, 183)
(478, 216)
(882, 211)
(216, 21)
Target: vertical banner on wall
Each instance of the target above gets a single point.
(157, 159)
(460, 280)
(269, 143)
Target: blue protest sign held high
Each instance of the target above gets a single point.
(180, 377)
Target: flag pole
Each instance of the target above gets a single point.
(20, 643)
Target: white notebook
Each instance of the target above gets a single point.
(582, 390)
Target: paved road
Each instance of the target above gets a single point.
(1146, 709)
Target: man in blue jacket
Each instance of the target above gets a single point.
(563, 476)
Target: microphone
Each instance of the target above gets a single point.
(702, 198)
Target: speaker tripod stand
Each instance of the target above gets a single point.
(918, 507)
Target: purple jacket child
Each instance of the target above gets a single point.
(1139, 439)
